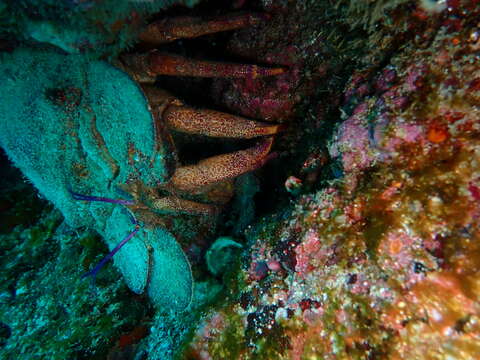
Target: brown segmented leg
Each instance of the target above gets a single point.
(220, 194)
(148, 200)
(173, 114)
(170, 29)
(176, 205)
(147, 66)
(197, 178)
(215, 123)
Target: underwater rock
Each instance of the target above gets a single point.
(290, 38)
(47, 310)
(221, 254)
(380, 260)
(385, 261)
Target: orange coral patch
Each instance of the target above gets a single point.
(437, 134)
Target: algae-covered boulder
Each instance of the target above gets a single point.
(384, 262)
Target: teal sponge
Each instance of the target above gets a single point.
(72, 124)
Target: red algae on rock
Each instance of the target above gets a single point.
(383, 263)
(290, 37)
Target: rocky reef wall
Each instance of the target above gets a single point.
(358, 241)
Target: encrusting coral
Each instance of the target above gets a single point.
(384, 261)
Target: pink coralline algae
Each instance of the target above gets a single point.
(384, 262)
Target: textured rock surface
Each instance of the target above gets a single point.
(384, 261)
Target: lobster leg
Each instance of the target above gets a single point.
(199, 177)
(147, 66)
(170, 112)
(187, 27)
(215, 123)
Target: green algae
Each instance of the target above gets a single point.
(234, 337)
(170, 333)
(366, 14)
(51, 313)
(232, 342)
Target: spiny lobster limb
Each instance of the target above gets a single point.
(148, 66)
(196, 178)
(187, 27)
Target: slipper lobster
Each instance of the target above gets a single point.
(95, 139)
